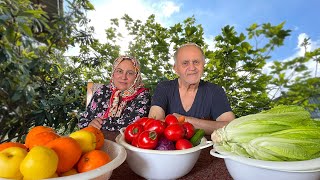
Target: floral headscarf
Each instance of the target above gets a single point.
(115, 107)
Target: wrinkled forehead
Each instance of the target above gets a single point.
(190, 48)
(192, 52)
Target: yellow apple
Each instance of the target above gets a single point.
(10, 160)
(69, 173)
(86, 139)
(41, 162)
(55, 175)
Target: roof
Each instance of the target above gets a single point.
(52, 7)
(316, 112)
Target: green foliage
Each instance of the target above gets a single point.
(152, 44)
(38, 85)
(149, 45)
(295, 82)
(237, 65)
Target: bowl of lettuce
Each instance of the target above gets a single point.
(280, 143)
(243, 168)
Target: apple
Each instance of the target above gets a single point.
(41, 162)
(69, 173)
(86, 139)
(10, 160)
(55, 175)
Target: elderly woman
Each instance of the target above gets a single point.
(121, 102)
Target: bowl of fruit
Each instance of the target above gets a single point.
(84, 154)
(117, 156)
(162, 149)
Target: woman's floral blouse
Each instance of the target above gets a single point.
(138, 107)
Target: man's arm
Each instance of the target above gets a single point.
(209, 125)
(156, 112)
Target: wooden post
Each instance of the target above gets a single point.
(89, 91)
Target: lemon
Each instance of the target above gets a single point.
(86, 139)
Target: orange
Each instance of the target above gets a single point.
(68, 151)
(35, 130)
(181, 119)
(12, 144)
(42, 139)
(99, 136)
(92, 160)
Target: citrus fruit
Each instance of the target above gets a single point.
(99, 136)
(12, 144)
(68, 151)
(92, 160)
(86, 139)
(36, 130)
(42, 138)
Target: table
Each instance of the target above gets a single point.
(207, 166)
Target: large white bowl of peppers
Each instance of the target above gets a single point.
(161, 164)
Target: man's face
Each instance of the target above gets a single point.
(189, 64)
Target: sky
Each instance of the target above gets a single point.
(301, 16)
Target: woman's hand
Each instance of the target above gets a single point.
(97, 123)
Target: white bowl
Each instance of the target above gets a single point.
(118, 155)
(116, 152)
(156, 164)
(242, 168)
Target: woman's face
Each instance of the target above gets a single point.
(124, 75)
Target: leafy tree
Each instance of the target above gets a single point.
(294, 81)
(153, 44)
(150, 46)
(38, 85)
(237, 65)
(234, 63)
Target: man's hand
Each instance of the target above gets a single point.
(209, 125)
(156, 112)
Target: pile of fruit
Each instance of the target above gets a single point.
(46, 154)
(171, 134)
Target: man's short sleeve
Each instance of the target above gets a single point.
(221, 104)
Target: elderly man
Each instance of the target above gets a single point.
(204, 104)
